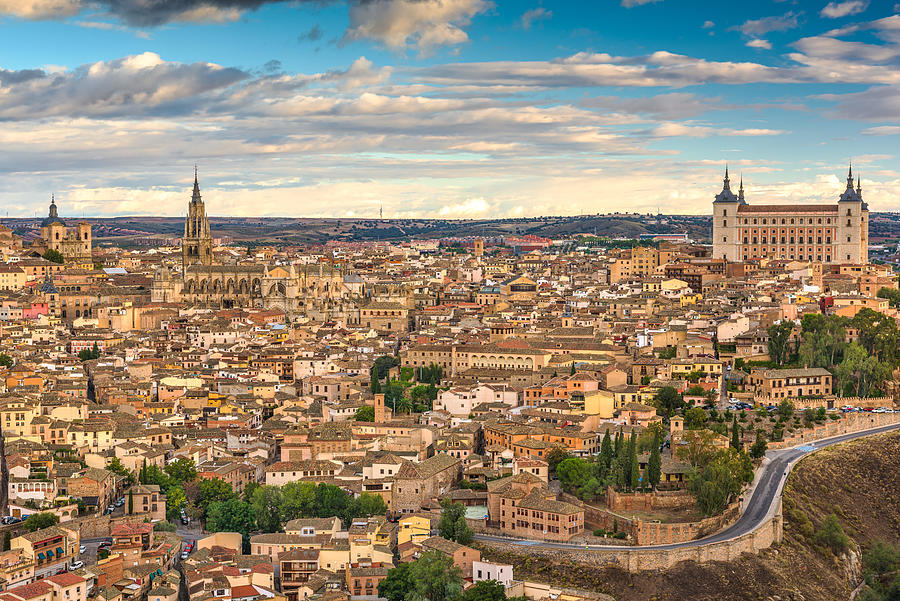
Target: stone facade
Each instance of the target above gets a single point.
(833, 233)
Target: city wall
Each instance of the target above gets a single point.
(648, 501)
(640, 559)
(100, 526)
(849, 423)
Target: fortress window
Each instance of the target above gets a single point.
(724, 223)
(848, 222)
(724, 212)
(849, 212)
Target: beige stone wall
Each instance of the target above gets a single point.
(640, 559)
(849, 422)
(660, 499)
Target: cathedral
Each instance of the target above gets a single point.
(295, 289)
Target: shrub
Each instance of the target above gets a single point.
(619, 535)
(599, 532)
(802, 522)
(164, 527)
(832, 536)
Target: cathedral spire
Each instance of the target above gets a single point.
(859, 186)
(741, 189)
(727, 182)
(850, 177)
(195, 197)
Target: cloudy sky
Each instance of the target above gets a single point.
(450, 108)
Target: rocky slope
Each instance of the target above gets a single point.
(858, 481)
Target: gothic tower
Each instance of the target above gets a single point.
(196, 244)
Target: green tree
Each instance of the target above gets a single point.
(249, 489)
(6, 360)
(735, 435)
(181, 470)
(376, 382)
(891, 294)
(759, 446)
(654, 464)
(231, 515)
(881, 558)
(435, 578)
(130, 501)
(397, 584)
(154, 475)
(175, 502)
(365, 505)
(554, 457)
(832, 536)
(635, 471)
(7, 540)
(452, 524)
(366, 413)
(267, 502)
(785, 409)
(573, 473)
(606, 450)
(116, 467)
(485, 590)
(54, 256)
(212, 490)
(668, 401)
(779, 341)
(298, 500)
(695, 418)
(38, 521)
(330, 501)
(384, 364)
(720, 480)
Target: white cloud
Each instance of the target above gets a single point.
(760, 43)
(708, 25)
(759, 27)
(40, 9)
(424, 24)
(473, 207)
(882, 130)
(530, 17)
(631, 3)
(681, 130)
(836, 10)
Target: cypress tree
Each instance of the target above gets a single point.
(376, 383)
(618, 447)
(654, 465)
(130, 501)
(635, 471)
(735, 435)
(572, 373)
(606, 450)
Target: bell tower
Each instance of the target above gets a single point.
(196, 244)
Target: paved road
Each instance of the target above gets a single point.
(770, 482)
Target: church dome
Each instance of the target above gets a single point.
(53, 217)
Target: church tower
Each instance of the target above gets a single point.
(196, 244)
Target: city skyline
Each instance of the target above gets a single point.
(456, 109)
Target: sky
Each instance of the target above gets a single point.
(443, 108)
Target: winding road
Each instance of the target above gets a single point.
(768, 486)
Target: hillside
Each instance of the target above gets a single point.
(859, 481)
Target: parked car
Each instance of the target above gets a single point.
(76, 565)
(184, 555)
(82, 549)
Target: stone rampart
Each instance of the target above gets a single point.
(849, 423)
(648, 501)
(648, 558)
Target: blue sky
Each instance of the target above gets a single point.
(452, 108)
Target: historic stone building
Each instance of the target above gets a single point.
(823, 233)
(74, 244)
(294, 289)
